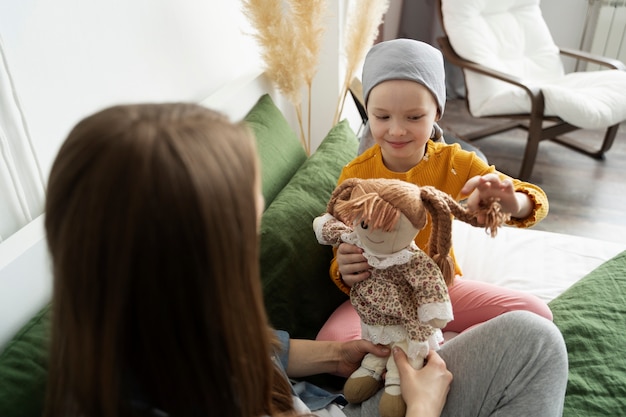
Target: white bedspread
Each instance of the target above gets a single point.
(543, 263)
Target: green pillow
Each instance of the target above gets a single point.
(23, 369)
(279, 148)
(299, 294)
(591, 315)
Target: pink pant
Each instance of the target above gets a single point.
(473, 302)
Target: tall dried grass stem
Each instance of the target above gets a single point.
(365, 17)
(290, 34)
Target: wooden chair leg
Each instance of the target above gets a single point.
(584, 148)
(609, 138)
(532, 147)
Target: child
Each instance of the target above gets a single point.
(404, 94)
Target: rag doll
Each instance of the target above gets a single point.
(405, 301)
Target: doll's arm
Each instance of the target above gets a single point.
(430, 291)
(329, 230)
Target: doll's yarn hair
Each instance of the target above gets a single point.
(379, 203)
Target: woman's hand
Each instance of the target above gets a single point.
(425, 390)
(352, 265)
(351, 354)
(310, 357)
(482, 188)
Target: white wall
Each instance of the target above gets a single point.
(72, 57)
(566, 20)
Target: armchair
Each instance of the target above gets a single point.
(514, 70)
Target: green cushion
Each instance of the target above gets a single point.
(299, 294)
(279, 148)
(23, 369)
(592, 317)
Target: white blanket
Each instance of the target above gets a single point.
(542, 263)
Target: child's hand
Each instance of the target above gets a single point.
(353, 266)
(482, 188)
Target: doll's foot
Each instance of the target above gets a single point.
(391, 402)
(361, 385)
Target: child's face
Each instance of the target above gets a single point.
(401, 116)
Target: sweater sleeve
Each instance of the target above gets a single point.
(283, 353)
(540, 201)
(475, 166)
(335, 275)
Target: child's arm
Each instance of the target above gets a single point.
(482, 188)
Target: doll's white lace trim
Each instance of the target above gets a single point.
(380, 261)
(318, 227)
(385, 335)
(439, 311)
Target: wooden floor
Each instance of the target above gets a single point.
(587, 196)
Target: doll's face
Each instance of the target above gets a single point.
(377, 241)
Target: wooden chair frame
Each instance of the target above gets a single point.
(533, 122)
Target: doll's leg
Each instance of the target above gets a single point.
(475, 302)
(365, 381)
(343, 325)
(391, 402)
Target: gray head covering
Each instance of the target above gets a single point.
(405, 59)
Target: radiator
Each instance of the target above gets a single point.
(606, 29)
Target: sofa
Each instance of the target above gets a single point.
(299, 295)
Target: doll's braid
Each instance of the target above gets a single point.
(341, 193)
(440, 240)
(441, 206)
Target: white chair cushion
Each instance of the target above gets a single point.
(512, 37)
(590, 100)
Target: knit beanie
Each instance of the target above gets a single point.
(405, 59)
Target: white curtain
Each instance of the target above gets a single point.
(21, 180)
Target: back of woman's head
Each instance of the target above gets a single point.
(151, 221)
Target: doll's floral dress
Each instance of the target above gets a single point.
(404, 292)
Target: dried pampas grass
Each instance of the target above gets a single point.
(310, 15)
(365, 17)
(290, 34)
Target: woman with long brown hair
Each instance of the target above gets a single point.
(141, 214)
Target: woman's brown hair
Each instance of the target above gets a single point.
(151, 223)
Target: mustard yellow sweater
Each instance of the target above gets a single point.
(446, 167)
